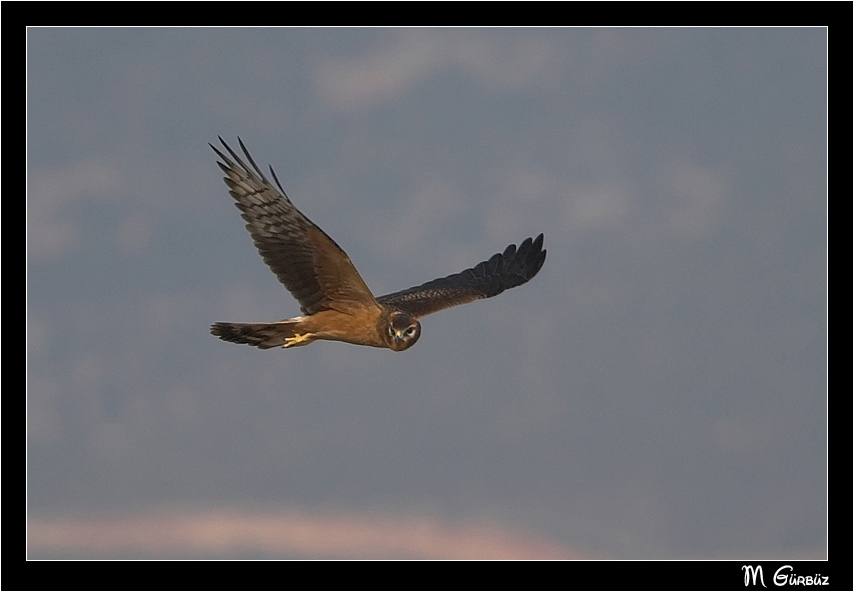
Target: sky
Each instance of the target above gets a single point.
(657, 391)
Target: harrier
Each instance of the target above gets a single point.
(335, 301)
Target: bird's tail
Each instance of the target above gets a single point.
(262, 335)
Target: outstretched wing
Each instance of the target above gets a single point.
(310, 265)
(489, 278)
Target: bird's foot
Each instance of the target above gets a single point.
(297, 339)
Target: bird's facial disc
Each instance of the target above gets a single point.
(403, 332)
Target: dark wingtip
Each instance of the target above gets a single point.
(537, 248)
(238, 160)
(218, 151)
(517, 265)
(531, 256)
(229, 150)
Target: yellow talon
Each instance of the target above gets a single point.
(296, 339)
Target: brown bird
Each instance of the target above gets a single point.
(336, 303)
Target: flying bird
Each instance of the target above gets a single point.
(335, 301)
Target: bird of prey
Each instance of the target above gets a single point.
(335, 301)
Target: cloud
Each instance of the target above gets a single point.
(599, 206)
(383, 75)
(283, 533)
(378, 77)
(134, 233)
(50, 233)
(699, 195)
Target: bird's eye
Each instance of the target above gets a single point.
(410, 331)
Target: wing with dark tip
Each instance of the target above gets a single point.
(489, 278)
(305, 259)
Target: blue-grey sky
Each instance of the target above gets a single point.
(657, 391)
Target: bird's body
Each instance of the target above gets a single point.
(336, 303)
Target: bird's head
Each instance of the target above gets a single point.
(402, 331)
